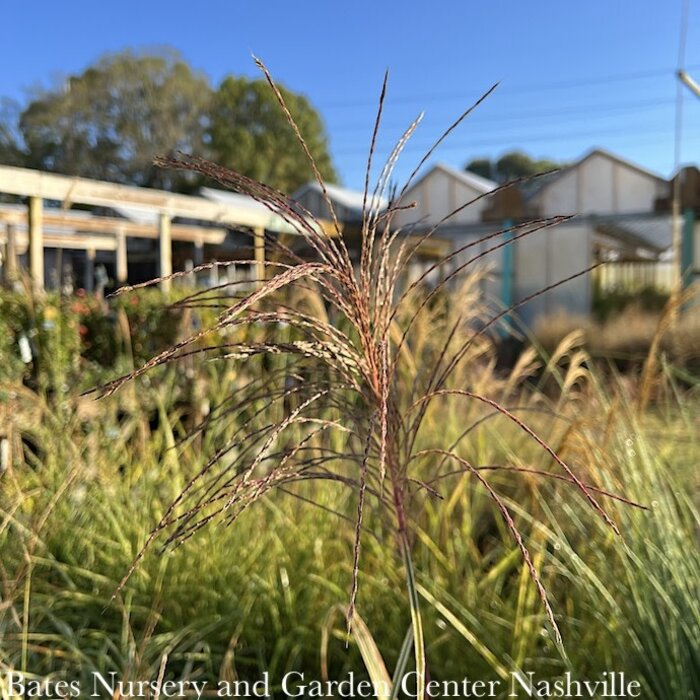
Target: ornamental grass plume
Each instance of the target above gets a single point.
(337, 384)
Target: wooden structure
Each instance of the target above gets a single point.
(25, 228)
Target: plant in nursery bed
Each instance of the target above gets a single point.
(336, 379)
(40, 343)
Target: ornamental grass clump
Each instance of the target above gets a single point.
(336, 377)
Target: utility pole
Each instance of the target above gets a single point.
(689, 82)
(677, 233)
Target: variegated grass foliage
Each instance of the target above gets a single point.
(339, 378)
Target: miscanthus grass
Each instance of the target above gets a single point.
(338, 387)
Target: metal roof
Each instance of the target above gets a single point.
(234, 199)
(350, 199)
(136, 214)
(242, 202)
(652, 233)
(476, 182)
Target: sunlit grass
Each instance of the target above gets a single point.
(234, 603)
(445, 507)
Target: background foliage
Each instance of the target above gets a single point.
(86, 481)
(111, 120)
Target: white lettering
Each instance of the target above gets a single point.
(198, 687)
(410, 676)
(287, 689)
(15, 684)
(525, 684)
(477, 686)
(99, 678)
(245, 689)
(364, 690)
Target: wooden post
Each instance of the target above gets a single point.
(165, 251)
(687, 248)
(122, 264)
(198, 258)
(507, 264)
(56, 279)
(36, 242)
(10, 262)
(213, 274)
(89, 273)
(259, 235)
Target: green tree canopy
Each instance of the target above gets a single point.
(510, 165)
(10, 139)
(110, 121)
(481, 166)
(249, 133)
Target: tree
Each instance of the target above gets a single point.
(249, 133)
(482, 167)
(109, 122)
(518, 164)
(509, 166)
(10, 149)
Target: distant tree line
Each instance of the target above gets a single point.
(111, 120)
(510, 166)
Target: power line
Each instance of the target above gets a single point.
(587, 111)
(682, 41)
(516, 89)
(466, 146)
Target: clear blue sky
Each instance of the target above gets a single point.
(572, 75)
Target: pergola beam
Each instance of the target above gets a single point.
(159, 206)
(111, 225)
(76, 190)
(60, 240)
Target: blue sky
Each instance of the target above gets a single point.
(572, 75)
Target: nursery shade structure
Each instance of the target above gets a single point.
(156, 208)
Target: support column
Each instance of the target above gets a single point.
(197, 260)
(507, 269)
(122, 265)
(507, 265)
(259, 237)
(687, 245)
(214, 275)
(198, 257)
(165, 251)
(36, 242)
(89, 274)
(56, 275)
(10, 262)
